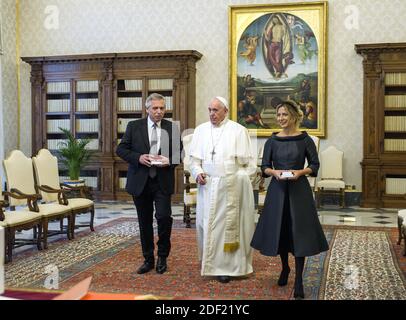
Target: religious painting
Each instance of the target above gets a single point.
(278, 53)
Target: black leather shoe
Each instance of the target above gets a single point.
(161, 266)
(146, 267)
(223, 279)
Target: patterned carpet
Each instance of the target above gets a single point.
(363, 263)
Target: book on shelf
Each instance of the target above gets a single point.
(93, 144)
(130, 104)
(169, 103)
(87, 86)
(87, 105)
(54, 124)
(133, 85)
(395, 101)
(87, 125)
(395, 79)
(54, 144)
(395, 144)
(58, 105)
(160, 84)
(58, 87)
(122, 124)
(396, 185)
(395, 124)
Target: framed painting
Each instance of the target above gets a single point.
(278, 53)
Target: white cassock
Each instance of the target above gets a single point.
(225, 204)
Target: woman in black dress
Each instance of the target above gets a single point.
(289, 221)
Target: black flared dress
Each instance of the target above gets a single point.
(289, 220)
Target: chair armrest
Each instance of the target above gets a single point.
(31, 198)
(17, 194)
(61, 193)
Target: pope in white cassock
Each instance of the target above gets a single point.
(221, 161)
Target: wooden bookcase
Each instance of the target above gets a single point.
(384, 158)
(96, 95)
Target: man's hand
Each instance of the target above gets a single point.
(145, 160)
(201, 179)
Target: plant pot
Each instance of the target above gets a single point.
(75, 183)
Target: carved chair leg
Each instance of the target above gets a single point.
(342, 197)
(6, 236)
(35, 232)
(45, 233)
(10, 244)
(61, 224)
(72, 225)
(188, 220)
(319, 195)
(400, 221)
(39, 236)
(69, 227)
(92, 218)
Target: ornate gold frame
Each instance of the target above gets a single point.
(315, 15)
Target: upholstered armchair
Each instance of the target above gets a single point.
(331, 175)
(190, 186)
(13, 221)
(47, 177)
(20, 181)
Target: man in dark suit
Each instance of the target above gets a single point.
(152, 147)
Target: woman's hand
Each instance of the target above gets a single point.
(276, 173)
(296, 174)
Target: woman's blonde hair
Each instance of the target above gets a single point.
(294, 111)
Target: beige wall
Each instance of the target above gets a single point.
(9, 75)
(87, 26)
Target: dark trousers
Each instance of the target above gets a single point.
(145, 208)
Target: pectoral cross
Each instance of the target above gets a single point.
(212, 154)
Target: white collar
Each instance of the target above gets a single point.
(151, 123)
(220, 124)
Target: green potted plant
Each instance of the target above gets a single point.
(74, 154)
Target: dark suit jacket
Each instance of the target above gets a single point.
(135, 143)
